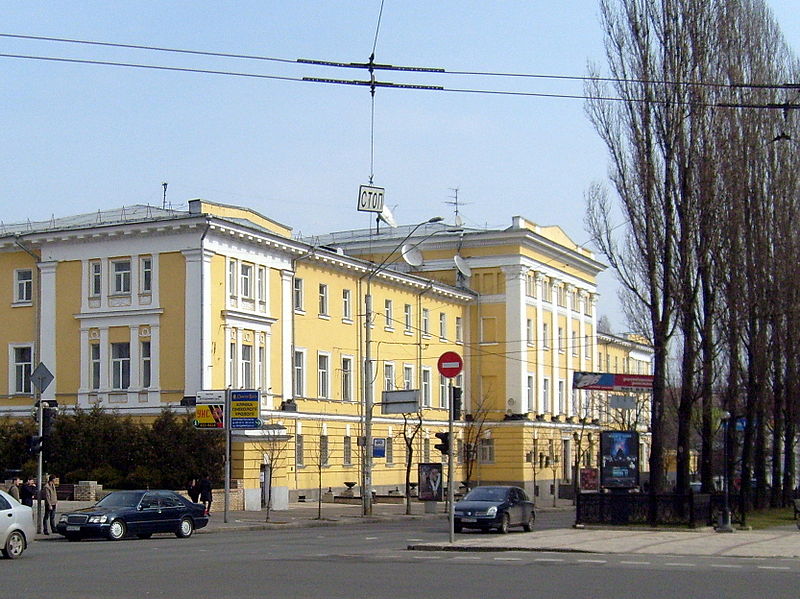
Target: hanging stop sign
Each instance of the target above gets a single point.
(450, 364)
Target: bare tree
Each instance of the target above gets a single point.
(473, 430)
(410, 431)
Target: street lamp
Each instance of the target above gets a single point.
(725, 518)
(367, 378)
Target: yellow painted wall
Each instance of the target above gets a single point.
(68, 352)
(172, 283)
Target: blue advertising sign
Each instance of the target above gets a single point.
(379, 447)
(245, 409)
(619, 459)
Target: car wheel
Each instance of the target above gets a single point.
(15, 545)
(185, 529)
(505, 522)
(457, 527)
(117, 530)
(145, 535)
(527, 526)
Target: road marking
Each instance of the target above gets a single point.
(508, 559)
(774, 568)
(371, 538)
(725, 566)
(415, 540)
(592, 561)
(635, 563)
(680, 564)
(548, 559)
(467, 557)
(427, 557)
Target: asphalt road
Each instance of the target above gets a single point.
(370, 560)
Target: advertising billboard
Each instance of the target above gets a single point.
(430, 482)
(619, 459)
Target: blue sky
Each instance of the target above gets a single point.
(78, 138)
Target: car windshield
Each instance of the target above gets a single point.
(486, 494)
(122, 499)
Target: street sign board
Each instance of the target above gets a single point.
(370, 198)
(209, 410)
(245, 409)
(400, 401)
(41, 377)
(623, 402)
(379, 447)
(450, 364)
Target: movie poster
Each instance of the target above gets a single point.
(619, 459)
(430, 482)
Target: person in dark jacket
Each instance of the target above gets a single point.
(13, 490)
(193, 490)
(205, 493)
(27, 492)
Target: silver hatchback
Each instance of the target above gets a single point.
(16, 526)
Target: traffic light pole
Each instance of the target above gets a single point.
(39, 463)
(450, 486)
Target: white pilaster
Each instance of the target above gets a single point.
(47, 326)
(516, 338)
(287, 333)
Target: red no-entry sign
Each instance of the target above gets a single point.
(450, 364)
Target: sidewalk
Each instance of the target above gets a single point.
(779, 542)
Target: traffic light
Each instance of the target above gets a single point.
(48, 419)
(34, 444)
(444, 446)
(456, 403)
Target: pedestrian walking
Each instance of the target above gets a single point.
(50, 502)
(205, 493)
(27, 492)
(193, 490)
(13, 490)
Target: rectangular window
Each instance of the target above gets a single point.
(574, 343)
(408, 323)
(247, 367)
(442, 325)
(547, 291)
(347, 379)
(347, 457)
(261, 284)
(323, 376)
(388, 377)
(94, 358)
(426, 322)
(120, 365)
(587, 347)
(95, 279)
(232, 374)
(546, 395)
(323, 299)
(23, 289)
(530, 392)
(561, 406)
(298, 294)
(545, 335)
(443, 387)
(347, 304)
(23, 366)
(387, 312)
(262, 375)
(459, 330)
(299, 457)
(232, 278)
(299, 373)
(529, 331)
(389, 451)
(246, 281)
(486, 449)
(408, 377)
(147, 274)
(426, 387)
(122, 276)
(146, 372)
(560, 339)
(323, 450)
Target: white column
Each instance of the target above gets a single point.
(287, 333)
(155, 357)
(540, 372)
(136, 363)
(197, 315)
(516, 342)
(47, 323)
(570, 294)
(556, 354)
(105, 359)
(85, 373)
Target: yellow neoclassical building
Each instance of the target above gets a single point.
(138, 308)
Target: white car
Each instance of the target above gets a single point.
(16, 526)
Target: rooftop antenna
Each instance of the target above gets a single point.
(164, 201)
(457, 221)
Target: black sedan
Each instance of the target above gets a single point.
(494, 507)
(139, 513)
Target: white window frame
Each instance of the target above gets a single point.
(443, 387)
(486, 451)
(442, 325)
(261, 284)
(388, 376)
(323, 299)
(19, 376)
(146, 357)
(120, 367)
(388, 313)
(23, 288)
(426, 322)
(233, 374)
(561, 397)
(531, 392)
(94, 366)
(347, 451)
(459, 330)
(323, 375)
(95, 278)
(347, 304)
(545, 395)
(347, 378)
(408, 318)
(232, 277)
(426, 387)
(389, 451)
(529, 331)
(246, 369)
(408, 376)
(297, 295)
(146, 276)
(246, 280)
(122, 277)
(299, 372)
(545, 335)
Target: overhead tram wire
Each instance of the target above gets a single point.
(378, 66)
